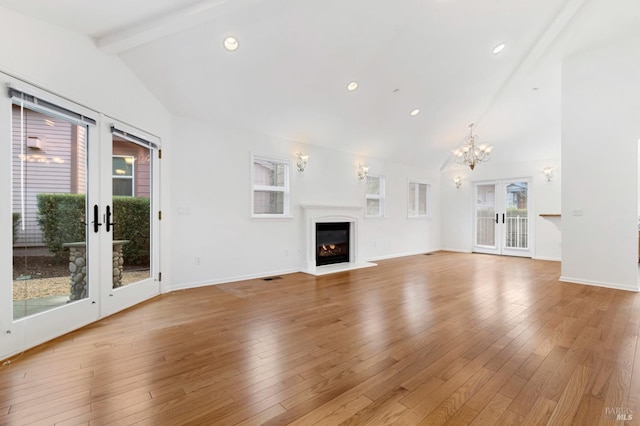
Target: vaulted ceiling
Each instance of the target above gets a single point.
(288, 77)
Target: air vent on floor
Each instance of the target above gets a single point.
(271, 278)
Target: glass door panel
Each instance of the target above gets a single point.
(49, 179)
(485, 218)
(131, 175)
(517, 215)
(131, 217)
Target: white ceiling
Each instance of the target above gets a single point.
(288, 78)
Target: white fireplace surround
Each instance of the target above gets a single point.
(326, 213)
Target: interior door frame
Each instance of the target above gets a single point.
(500, 208)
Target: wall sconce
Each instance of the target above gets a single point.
(548, 173)
(301, 161)
(363, 171)
(458, 181)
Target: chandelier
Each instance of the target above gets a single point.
(470, 153)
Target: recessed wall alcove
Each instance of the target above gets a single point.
(325, 213)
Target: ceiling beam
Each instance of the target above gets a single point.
(169, 23)
(541, 47)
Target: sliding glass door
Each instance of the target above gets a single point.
(502, 217)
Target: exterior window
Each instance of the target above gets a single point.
(375, 196)
(270, 187)
(123, 175)
(418, 204)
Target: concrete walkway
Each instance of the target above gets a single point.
(24, 308)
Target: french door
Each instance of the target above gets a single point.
(83, 194)
(502, 217)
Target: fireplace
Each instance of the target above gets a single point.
(317, 217)
(332, 242)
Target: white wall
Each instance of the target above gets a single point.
(457, 204)
(600, 132)
(214, 238)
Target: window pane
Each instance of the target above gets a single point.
(373, 207)
(411, 199)
(422, 199)
(122, 166)
(269, 173)
(268, 202)
(123, 187)
(373, 185)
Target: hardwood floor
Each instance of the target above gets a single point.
(448, 338)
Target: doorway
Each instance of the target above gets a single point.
(502, 223)
(84, 190)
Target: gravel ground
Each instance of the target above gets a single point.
(59, 286)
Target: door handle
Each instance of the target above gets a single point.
(502, 217)
(108, 219)
(497, 218)
(96, 221)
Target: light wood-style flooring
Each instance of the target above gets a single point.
(447, 338)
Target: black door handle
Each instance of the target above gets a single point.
(96, 221)
(108, 219)
(502, 217)
(496, 217)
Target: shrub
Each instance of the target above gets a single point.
(16, 222)
(61, 219)
(132, 218)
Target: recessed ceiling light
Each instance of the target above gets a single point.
(415, 112)
(499, 48)
(230, 43)
(352, 86)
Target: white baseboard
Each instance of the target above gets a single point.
(599, 284)
(396, 255)
(218, 281)
(457, 250)
(553, 259)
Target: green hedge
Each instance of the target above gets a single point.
(61, 219)
(16, 223)
(132, 218)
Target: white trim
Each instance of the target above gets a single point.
(598, 284)
(553, 259)
(184, 286)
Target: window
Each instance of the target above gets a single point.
(418, 199)
(270, 187)
(122, 173)
(375, 196)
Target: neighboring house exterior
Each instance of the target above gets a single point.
(49, 156)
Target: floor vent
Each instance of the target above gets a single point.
(271, 278)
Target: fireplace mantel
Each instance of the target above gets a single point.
(326, 213)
